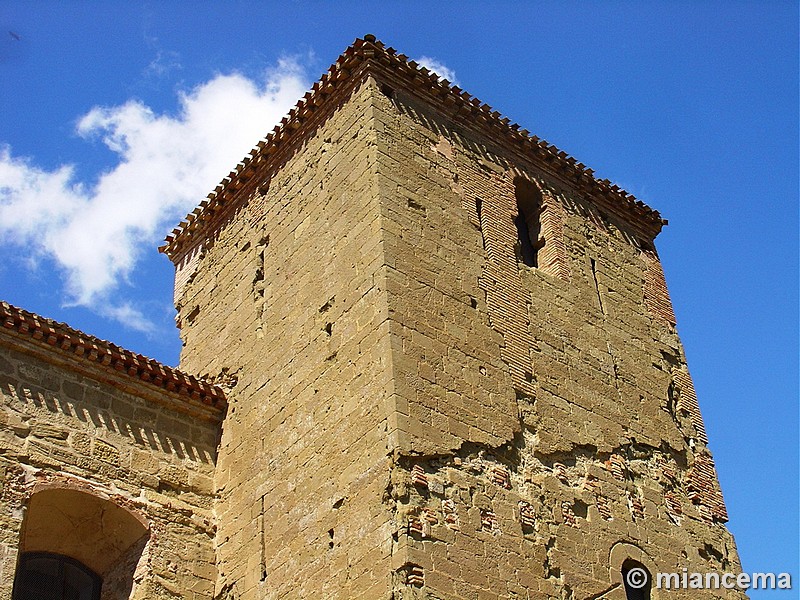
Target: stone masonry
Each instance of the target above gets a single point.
(105, 457)
(434, 357)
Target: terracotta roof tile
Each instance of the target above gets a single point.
(63, 339)
(370, 51)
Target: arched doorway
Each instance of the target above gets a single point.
(85, 546)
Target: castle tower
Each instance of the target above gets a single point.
(451, 362)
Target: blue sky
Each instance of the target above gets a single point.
(118, 118)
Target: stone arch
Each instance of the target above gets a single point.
(102, 535)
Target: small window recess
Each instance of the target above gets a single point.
(637, 580)
(528, 221)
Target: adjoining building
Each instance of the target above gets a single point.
(432, 356)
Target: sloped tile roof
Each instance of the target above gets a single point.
(64, 340)
(369, 51)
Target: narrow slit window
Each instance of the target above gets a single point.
(479, 211)
(529, 230)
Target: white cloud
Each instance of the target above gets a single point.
(164, 62)
(165, 165)
(439, 68)
(132, 317)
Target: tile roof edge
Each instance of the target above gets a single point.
(368, 49)
(64, 340)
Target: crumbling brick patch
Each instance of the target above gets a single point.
(617, 465)
(450, 514)
(553, 255)
(561, 473)
(568, 514)
(665, 471)
(527, 515)
(418, 476)
(674, 507)
(656, 296)
(415, 526)
(501, 477)
(688, 402)
(603, 507)
(489, 521)
(601, 502)
(413, 575)
(703, 489)
(635, 505)
(428, 515)
(420, 524)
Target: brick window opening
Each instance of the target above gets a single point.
(528, 222)
(637, 580)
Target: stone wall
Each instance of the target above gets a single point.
(107, 471)
(549, 427)
(287, 305)
(415, 413)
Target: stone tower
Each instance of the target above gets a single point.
(451, 362)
